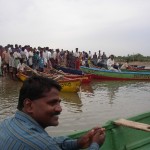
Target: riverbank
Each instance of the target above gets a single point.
(146, 64)
(139, 63)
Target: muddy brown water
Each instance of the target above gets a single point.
(95, 104)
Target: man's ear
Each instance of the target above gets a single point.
(28, 105)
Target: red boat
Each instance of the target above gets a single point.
(84, 78)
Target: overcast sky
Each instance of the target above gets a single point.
(118, 27)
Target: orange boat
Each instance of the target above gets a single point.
(68, 85)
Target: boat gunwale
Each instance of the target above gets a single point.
(110, 71)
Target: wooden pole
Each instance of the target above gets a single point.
(32, 70)
(133, 124)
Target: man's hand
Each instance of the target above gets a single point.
(99, 136)
(96, 135)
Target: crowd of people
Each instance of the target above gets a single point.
(39, 101)
(13, 58)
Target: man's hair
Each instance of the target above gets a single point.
(34, 87)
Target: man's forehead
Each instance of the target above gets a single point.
(52, 92)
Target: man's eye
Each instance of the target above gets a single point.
(54, 102)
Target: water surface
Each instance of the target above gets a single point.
(95, 104)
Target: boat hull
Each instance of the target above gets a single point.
(124, 138)
(135, 70)
(71, 85)
(111, 75)
(22, 76)
(70, 70)
(84, 78)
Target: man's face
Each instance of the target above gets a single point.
(112, 57)
(45, 110)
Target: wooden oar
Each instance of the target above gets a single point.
(44, 74)
(133, 124)
(55, 77)
(58, 77)
(32, 70)
(60, 72)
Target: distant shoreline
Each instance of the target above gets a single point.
(139, 63)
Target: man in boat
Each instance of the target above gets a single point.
(39, 107)
(126, 66)
(111, 65)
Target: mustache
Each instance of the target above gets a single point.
(55, 113)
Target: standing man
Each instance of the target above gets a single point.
(41, 62)
(38, 108)
(104, 58)
(77, 61)
(5, 60)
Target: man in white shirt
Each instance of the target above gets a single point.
(111, 64)
(76, 54)
(30, 57)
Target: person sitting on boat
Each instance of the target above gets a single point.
(111, 65)
(39, 107)
(94, 59)
(83, 62)
(127, 66)
(100, 63)
(86, 62)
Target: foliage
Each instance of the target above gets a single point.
(131, 58)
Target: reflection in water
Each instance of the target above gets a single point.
(86, 88)
(8, 97)
(112, 88)
(71, 100)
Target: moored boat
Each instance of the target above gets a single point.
(86, 78)
(131, 134)
(136, 70)
(22, 76)
(71, 85)
(111, 75)
(70, 70)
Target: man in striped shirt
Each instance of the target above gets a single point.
(38, 108)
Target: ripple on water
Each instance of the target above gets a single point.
(95, 104)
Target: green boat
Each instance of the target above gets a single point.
(135, 70)
(131, 134)
(112, 75)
